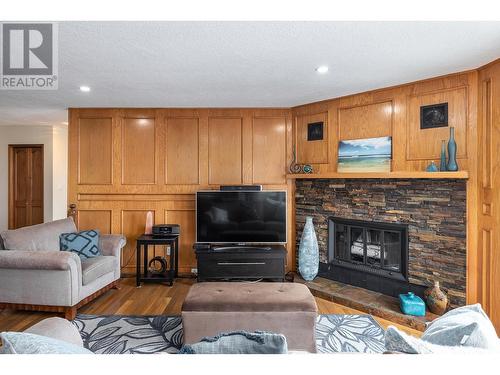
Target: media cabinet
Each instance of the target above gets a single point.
(240, 262)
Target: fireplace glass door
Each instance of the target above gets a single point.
(357, 245)
(368, 246)
(392, 251)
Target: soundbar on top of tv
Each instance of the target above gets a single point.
(240, 188)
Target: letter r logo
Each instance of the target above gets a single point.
(27, 49)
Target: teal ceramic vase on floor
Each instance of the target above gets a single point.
(442, 161)
(411, 304)
(452, 152)
(308, 252)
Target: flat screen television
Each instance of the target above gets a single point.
(241, 217)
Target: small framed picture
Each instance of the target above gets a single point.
(434, 116)
(315, 131)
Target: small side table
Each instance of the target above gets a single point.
(168, 276)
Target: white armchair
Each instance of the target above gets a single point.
(35, 275)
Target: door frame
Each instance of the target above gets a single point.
(11, 222)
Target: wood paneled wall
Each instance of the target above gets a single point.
(395, 112)
(126, 162)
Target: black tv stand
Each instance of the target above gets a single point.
(239, 248)
(240, 262)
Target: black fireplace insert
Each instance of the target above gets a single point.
(372, 255)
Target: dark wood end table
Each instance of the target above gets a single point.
(170, 274)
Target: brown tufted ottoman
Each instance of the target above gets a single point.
(214, 307)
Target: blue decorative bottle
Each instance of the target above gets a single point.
(442, 161)
(411, 304)
(431, 167)
(452, 152)
(308, 252)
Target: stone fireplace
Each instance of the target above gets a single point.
(388, 235)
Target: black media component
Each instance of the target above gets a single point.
(240, 188)
(241, 217)
(241, 263)
(166, 229)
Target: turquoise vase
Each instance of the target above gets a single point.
(452, 152)
(431, 167)
(442, 161)
(308, 252)
(411, 304)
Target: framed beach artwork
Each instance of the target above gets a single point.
(365, 155)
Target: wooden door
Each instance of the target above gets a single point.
(488, 259)
(25, 185)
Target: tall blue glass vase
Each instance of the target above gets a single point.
(308, 252)
(442, 161)
(452, 152)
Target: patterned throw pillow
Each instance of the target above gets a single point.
(85, 243)
(239, 342)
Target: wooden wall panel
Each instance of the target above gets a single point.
(311, 152)
(138, 151)
(182, 151)
(95, 151)
(426, 143)
(269, 144)
(132, 226)
(95, 219)
(365, 121)
(186, 219)
(224, 151)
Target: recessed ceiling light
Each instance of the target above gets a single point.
(322, 69)
(84, 88)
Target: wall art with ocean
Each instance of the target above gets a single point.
(365, 155)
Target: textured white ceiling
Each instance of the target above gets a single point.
(238, 64)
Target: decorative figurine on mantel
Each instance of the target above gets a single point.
(431, 167)
(298, 168)
(294, 167)
(307, 168)
(411, 304)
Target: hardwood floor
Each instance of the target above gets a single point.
(150, 299)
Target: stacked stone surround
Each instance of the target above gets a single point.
(435, 211)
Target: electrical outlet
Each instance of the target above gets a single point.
(168, 250)
(194, 271)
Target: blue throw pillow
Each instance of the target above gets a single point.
(85, 243)
(29, 343)
(239, 342)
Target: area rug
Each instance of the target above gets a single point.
(116, 334)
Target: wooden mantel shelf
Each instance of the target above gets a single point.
(462, 175)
